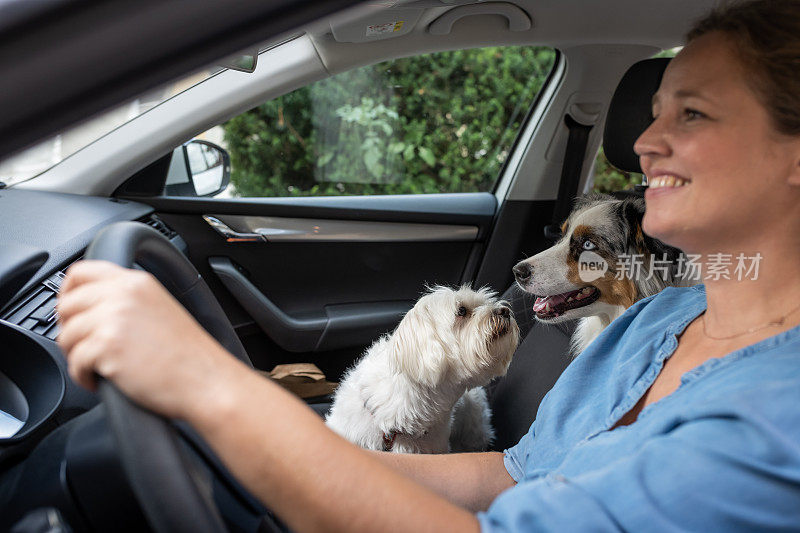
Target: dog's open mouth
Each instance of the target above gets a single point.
(557, 304)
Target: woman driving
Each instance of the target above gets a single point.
(682, 415)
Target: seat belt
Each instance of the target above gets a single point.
(570, 175)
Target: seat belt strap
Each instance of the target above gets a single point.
(570, 175)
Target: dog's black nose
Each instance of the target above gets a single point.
(522, 271)
(503, 311)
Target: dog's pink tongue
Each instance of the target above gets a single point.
(541, 302)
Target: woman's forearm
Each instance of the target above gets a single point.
(469, 480)
(312, 478)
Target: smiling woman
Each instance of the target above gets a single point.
(681, 415)
(671, 419)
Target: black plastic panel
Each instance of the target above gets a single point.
(36, 375)
(340, 326)
(18, 264)
(61, 225)
(517, 234)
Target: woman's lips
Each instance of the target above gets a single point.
(665, 183)
(661, 192)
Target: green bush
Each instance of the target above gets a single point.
(609, 179)
(437, 123)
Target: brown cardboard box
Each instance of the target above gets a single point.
(303, 379)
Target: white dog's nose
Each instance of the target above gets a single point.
(503, 311)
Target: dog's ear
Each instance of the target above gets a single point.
(632, 211)
(417, 350)
(653, 249)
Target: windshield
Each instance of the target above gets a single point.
(44, 155)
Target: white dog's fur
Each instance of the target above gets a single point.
(419, 390)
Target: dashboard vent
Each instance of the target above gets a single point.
(37, 310)
(159, 225)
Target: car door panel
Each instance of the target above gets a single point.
(322, 292)
(336, 326)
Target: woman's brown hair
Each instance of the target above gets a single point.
(766, 34)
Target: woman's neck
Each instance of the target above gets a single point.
(768, 294)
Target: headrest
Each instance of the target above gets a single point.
(630, 112)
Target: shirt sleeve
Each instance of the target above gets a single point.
(713, 474)
(514, 458)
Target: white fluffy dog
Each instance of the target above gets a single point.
(419, 389)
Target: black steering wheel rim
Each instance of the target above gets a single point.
(168, 486)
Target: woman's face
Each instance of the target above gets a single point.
(712, 136)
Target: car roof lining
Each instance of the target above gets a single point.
(555, 23)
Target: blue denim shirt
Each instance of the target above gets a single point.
(721, 453)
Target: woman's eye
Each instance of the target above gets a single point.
(462, 311)
(588, 245)
(692, 114)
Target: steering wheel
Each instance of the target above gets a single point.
(169, 487)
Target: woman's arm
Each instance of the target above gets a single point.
(470, 480)
(124, 326)
(312, 478)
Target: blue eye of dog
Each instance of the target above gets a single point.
(462, 311)
(589, 245)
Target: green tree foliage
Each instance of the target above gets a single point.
(608, 178)
(442, 122)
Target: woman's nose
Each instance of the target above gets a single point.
(651, 143)
(651, 140)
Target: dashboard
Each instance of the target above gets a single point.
(41, 234)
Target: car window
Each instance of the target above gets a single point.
(437, 123)
(607, 178)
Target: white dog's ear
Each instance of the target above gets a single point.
(418, 351)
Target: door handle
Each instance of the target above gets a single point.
(230, 234)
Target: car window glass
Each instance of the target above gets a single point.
(437, 123)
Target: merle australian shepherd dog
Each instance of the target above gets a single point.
(606, 230)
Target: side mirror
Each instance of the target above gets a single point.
(198, 168)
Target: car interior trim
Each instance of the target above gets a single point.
(338, 326)
(517, 19)
(269, 229)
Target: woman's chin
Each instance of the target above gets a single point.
(664, 228)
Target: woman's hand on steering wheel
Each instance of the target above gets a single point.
(123, 325)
